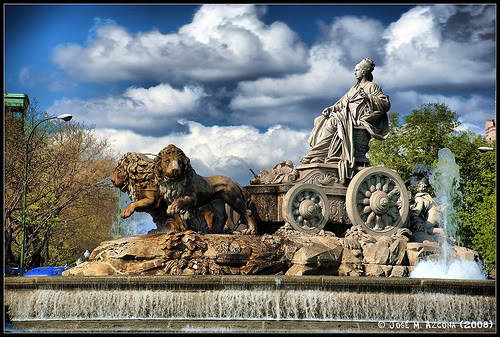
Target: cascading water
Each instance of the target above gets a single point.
(445, 180)
(317, 302)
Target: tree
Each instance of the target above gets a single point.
(425, 131)
(478, 186)
(391, 152)
(417, 141)
(66, 164)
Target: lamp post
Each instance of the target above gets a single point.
(64, 117)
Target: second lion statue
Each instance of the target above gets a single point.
(135, 176)
(184, 189)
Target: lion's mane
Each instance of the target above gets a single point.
(172, 189)
(140, 172)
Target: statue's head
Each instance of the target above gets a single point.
(171, 163)
(366, 67)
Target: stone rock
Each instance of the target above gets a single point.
(376, 253)
(316, 254)
(263, 267)
(351, 256)
(387, 270)
(329, 241)
(397, 253)
(464, 253)
(184, 253)
(90, 269)
(374, 270)
(299, 270)
(417, 251)
(286, 252)
(413, 257)
(399, 271)
(350, 269)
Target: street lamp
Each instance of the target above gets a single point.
(485, 148)
(64, 117)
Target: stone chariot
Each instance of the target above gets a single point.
(311, 195)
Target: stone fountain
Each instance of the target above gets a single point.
(325, 246)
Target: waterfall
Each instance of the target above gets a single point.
(248, 303)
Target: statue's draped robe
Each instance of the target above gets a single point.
(331, 139)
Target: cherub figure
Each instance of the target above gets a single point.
(425, 213)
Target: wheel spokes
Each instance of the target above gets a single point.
(307, 209)
(379, 201)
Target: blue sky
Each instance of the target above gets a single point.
(238, 86)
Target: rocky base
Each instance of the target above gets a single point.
(286, 252)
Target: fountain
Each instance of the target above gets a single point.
(264, 303)
(248, 304)
(333, 252)
(445, 180)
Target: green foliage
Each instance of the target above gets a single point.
(484, 221)
(425, 131)
(417, 141)
(390, 152)
(67, 209)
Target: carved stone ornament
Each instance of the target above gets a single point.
(283, 172)
(378, 201)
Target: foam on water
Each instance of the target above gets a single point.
(445, 180)
(457, 269)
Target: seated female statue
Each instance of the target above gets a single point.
(364, 105)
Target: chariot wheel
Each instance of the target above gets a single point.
(378, 201)
(306, 208)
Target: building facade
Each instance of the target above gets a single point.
(490, 130)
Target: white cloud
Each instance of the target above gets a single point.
(213, 150)
(357, 37)
(165, 99)
(143, 110)
(415, 28)
(429, 49)
(223, 42)
(422, 51)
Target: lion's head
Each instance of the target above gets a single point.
(133, 170)
(172, 164)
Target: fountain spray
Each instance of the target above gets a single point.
(445, 179)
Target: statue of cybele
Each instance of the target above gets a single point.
(364, 106)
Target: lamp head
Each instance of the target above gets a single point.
(65, 117)
(485, 149)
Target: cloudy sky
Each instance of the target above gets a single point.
(238, 86)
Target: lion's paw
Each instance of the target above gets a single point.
(126, 213)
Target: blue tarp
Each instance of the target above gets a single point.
(46, 271)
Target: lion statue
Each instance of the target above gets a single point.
(183, 189)
(135, 176)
